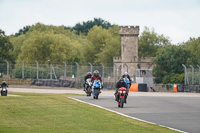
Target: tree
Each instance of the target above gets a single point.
(104, 45)
(193, 45)
(112, 47)
(168, 63)
(84, 27)
(44, 43)
(23, 30)
(149, 43)
(17, 42)
(5, 47)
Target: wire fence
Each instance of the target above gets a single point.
(192, 75)
(62, 75)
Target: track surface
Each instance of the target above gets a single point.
(177, 112)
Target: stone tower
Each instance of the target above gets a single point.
(129, 60)
(129, 43)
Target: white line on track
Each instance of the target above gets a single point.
(126, 115)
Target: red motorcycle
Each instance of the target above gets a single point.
(121, 96)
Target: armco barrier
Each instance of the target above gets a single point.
(186, 88)
(138, 87)
(66, 83)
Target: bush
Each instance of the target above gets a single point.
(177, 78)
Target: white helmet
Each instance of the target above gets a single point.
(125, 73)
(96, 72)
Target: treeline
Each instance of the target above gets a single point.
(41, 42)
(169, 57)
(97, 41)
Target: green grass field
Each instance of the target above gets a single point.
(55, 113)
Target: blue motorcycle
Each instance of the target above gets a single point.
(96, 88)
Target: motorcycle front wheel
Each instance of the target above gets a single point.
(96, 92)
(122, 102)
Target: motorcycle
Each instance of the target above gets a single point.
(4, 91)
(121, 96)
(126, 80)
(88, 87)
(96, 89)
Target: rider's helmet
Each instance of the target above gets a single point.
(121, 80)
(125, 74)
(89, 73)
(4, 82)
(96, 73)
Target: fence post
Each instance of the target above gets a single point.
(199, 73)
(77, 73)
(185, 74)
(102, 72)
(115, 70)
(7, 68)
(37, 69)
(192, 74)
(23, 69)
(90, 66)
(65, 70)
(50, 68)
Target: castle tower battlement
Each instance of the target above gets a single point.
(129, 43)
(129, 30)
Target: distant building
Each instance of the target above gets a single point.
(129, 60)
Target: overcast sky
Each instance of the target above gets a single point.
(177, 19)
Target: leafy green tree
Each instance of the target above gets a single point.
(86, 26)
(44, 43)
(169, 62)
(149, 43)
(17, 42)
(104, 45)
(5, 47)
(193, 45)
(23, 30)
(112, 47)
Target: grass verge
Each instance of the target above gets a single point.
(32, 112)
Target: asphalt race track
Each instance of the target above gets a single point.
(182, 113)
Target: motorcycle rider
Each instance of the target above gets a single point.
(88, 76)
(96, 76)
(4, 84)
(126, 75)
(120, 84)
